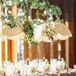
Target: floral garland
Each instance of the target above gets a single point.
(49, 12)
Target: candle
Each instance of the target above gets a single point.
(30, 46)
(6, 49)
(30, 51)
(0, 53)
(0, 38)
(59, 45)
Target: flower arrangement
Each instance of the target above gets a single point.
(43, 9)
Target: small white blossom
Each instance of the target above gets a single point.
(38, 19)
(10, 3)
(45, 12)
(35, 24)
(29, 17)
(21, 0)
(41, 20)
(51, 17)
(50, 10)
(9, 11)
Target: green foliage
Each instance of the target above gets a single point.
(28, 26)
(5, 3)
(35, 4)
(15, 2)
(50, 32)
(26, 1)
(10, 21)
(28, 29)
(56, 11)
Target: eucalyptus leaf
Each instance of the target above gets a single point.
(26, 1)
(55, 10)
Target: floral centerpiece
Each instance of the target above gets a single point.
(43, 9)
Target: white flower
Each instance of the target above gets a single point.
(50, 10)
(10, 3)
(21, 0)
(53, 66)
(38, 19)
(45, 12)
(41, 21)
(9, 11)
(60, 65)
(53, 24)
(29, 17)
(20, 12)
(51, 17)
(35, 24)
(44, 3)
(37, 33)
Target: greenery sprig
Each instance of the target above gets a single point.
(10, 21)
(28, 30)
(50, 32)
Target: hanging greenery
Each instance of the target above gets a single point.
(35, 4)
(43, 9)
(28, 29)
